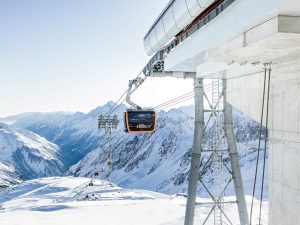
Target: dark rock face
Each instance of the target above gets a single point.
(168, 146)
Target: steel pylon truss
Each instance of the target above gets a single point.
(108, 123)
(215, 132)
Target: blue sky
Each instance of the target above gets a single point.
(73, 55)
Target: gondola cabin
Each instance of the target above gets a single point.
(140, 121)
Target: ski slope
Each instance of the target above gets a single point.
(70, 201)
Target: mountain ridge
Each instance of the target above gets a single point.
(157, 161)
(28, 154)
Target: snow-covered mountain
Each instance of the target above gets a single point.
(160, 161)
(76, 133)
(72, 201)
(25, 155)
(157, 161)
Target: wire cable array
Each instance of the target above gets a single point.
(182, 98)
(116, 105)
(266, 85)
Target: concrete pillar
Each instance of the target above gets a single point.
(195, 162)
(284, 144)
(234, 159)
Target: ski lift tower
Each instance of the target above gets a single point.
(108, 123)
(168, 41)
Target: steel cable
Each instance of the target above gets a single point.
(116, 105)
(265, 147)
(174, 100)
(179, 99)
(176, 103)
(259, 144)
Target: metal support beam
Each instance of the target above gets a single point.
(174, 74)
(195, 162)
(234, 159)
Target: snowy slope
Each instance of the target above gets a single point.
(70, 201)
(27, 153)
(160, 161)
(140, 158)
(8, 176)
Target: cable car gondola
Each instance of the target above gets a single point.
(137, 119)
(140, 121)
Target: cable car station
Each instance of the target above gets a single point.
(250, 49)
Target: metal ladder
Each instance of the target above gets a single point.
(217, 142)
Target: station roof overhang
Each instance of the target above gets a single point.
(275, 38)
(275, 41)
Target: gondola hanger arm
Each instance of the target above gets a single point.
(136, 83)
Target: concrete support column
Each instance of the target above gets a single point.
(195, 162)
(234, 159)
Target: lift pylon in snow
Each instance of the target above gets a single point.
(137, 119)
(108, 123)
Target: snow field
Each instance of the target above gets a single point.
(71, 201)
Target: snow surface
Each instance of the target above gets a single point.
(70, 201)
